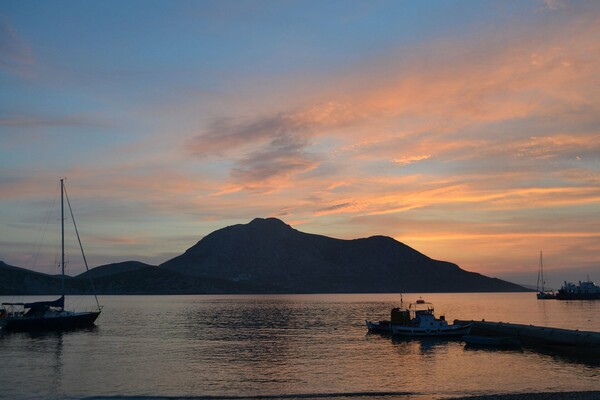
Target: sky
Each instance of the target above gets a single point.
(468, 130)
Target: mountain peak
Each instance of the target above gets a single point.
(268, 226)
(270, 221)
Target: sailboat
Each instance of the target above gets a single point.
(543, 294)
(50, 315)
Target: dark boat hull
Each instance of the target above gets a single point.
(75, 321)
(546, 296)
(577, 296)
(379, 327)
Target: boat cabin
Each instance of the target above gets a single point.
(416, 314)
(35, 309)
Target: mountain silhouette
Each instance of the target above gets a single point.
(267, 256)
(270, 252)
(130, 277)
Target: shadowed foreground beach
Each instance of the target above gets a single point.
(594, 395)
(585, 395)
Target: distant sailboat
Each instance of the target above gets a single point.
(49, 315)
(542, 294)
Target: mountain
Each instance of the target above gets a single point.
(270, 252)
(123, 278)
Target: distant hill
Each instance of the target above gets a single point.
(270, 252)
(154, 280)
(20, 281)
(112, 269)
(267, 256)
(122, 278)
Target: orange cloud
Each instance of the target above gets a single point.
(411, 159)
(422, 112)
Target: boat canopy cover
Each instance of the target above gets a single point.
(60, 303)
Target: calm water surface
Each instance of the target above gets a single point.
(244, 346)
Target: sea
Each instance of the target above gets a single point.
(288, 346)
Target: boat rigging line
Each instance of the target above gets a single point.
(80, 245)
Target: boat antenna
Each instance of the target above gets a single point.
(81, 247)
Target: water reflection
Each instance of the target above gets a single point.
(228, 346)
(58, 363)
(45, 351)
(574, 357)
(273, 338)
(423, 345)
(493, 349)
(416, 345)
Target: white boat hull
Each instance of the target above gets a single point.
(407, 330)
(450, 330)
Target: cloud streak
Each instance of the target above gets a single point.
(16, 56)
(270, 150)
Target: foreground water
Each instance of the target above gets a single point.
(312, 345)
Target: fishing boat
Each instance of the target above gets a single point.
(543, 294)
(587, 290)
(50, 315)
(417, 320)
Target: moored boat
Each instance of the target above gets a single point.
(587, 290)
(49, 315)
(417, 320)
(546, 295)
(44, 316)
(542, 293)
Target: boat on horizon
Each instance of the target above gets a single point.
(50, 315)
(542, 293)
(416, 321)
(586, 290)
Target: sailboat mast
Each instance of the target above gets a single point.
(62, 234)
(537, 287)
(542, 270)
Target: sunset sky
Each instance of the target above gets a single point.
(468, 130)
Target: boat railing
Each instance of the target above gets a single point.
(14, 309)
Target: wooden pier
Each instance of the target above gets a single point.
(575, 341)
